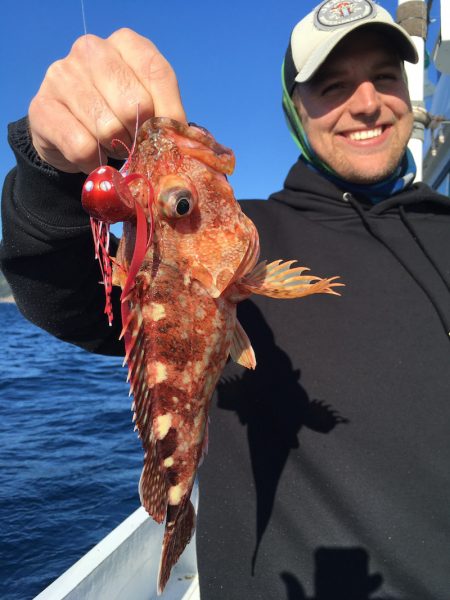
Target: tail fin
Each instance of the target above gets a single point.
(176, 537)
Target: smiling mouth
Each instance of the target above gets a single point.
(365, 134)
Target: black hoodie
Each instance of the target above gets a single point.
(328, 469)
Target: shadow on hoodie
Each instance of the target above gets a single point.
(274, 406)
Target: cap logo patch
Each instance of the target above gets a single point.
(336, 13)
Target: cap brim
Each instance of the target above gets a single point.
(399, 37)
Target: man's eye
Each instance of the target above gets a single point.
(386, 77)
(332, 87)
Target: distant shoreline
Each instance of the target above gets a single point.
(7, 300)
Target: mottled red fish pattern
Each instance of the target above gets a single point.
(187, 256)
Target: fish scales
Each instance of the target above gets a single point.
(187, 256)
(183, 361)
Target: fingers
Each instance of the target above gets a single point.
(96, 94)
(61, 140)
(98, 89)
(153, 72)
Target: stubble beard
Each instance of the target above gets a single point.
(348, 172)
(361, 174)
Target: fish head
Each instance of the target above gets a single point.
(199, 227)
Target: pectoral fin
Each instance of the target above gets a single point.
(278, 280)
(241, 350)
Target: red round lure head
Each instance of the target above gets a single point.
(107, 197)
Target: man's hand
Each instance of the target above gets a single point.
(95, 94)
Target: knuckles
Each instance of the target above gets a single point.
(125, 35)
(152, 64)
(160, 68)
(56, 72)
(85, 42)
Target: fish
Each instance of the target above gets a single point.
(188, 255)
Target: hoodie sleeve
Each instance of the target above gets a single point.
(47, 252)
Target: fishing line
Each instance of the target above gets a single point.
(83, 16)
(96, 117)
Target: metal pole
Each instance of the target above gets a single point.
(412, 15)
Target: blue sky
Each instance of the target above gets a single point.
(227, 56)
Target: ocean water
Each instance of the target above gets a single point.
(69, 459)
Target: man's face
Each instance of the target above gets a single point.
(356, 110)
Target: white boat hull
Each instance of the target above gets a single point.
(124, 566)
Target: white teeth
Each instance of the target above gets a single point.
(366, 134)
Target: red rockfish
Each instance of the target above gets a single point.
(187, 256)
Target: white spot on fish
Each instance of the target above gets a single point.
(198, 367)
(175, 494)
(161, 372)
(155, 311)
(168, 462)
(200, 313)
(157, 372)
(162, 425)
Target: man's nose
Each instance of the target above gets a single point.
(365, 100)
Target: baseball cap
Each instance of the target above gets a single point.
(317, 34)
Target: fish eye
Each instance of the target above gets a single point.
(177, 202)
(183, 206)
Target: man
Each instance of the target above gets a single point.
(327, 473)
